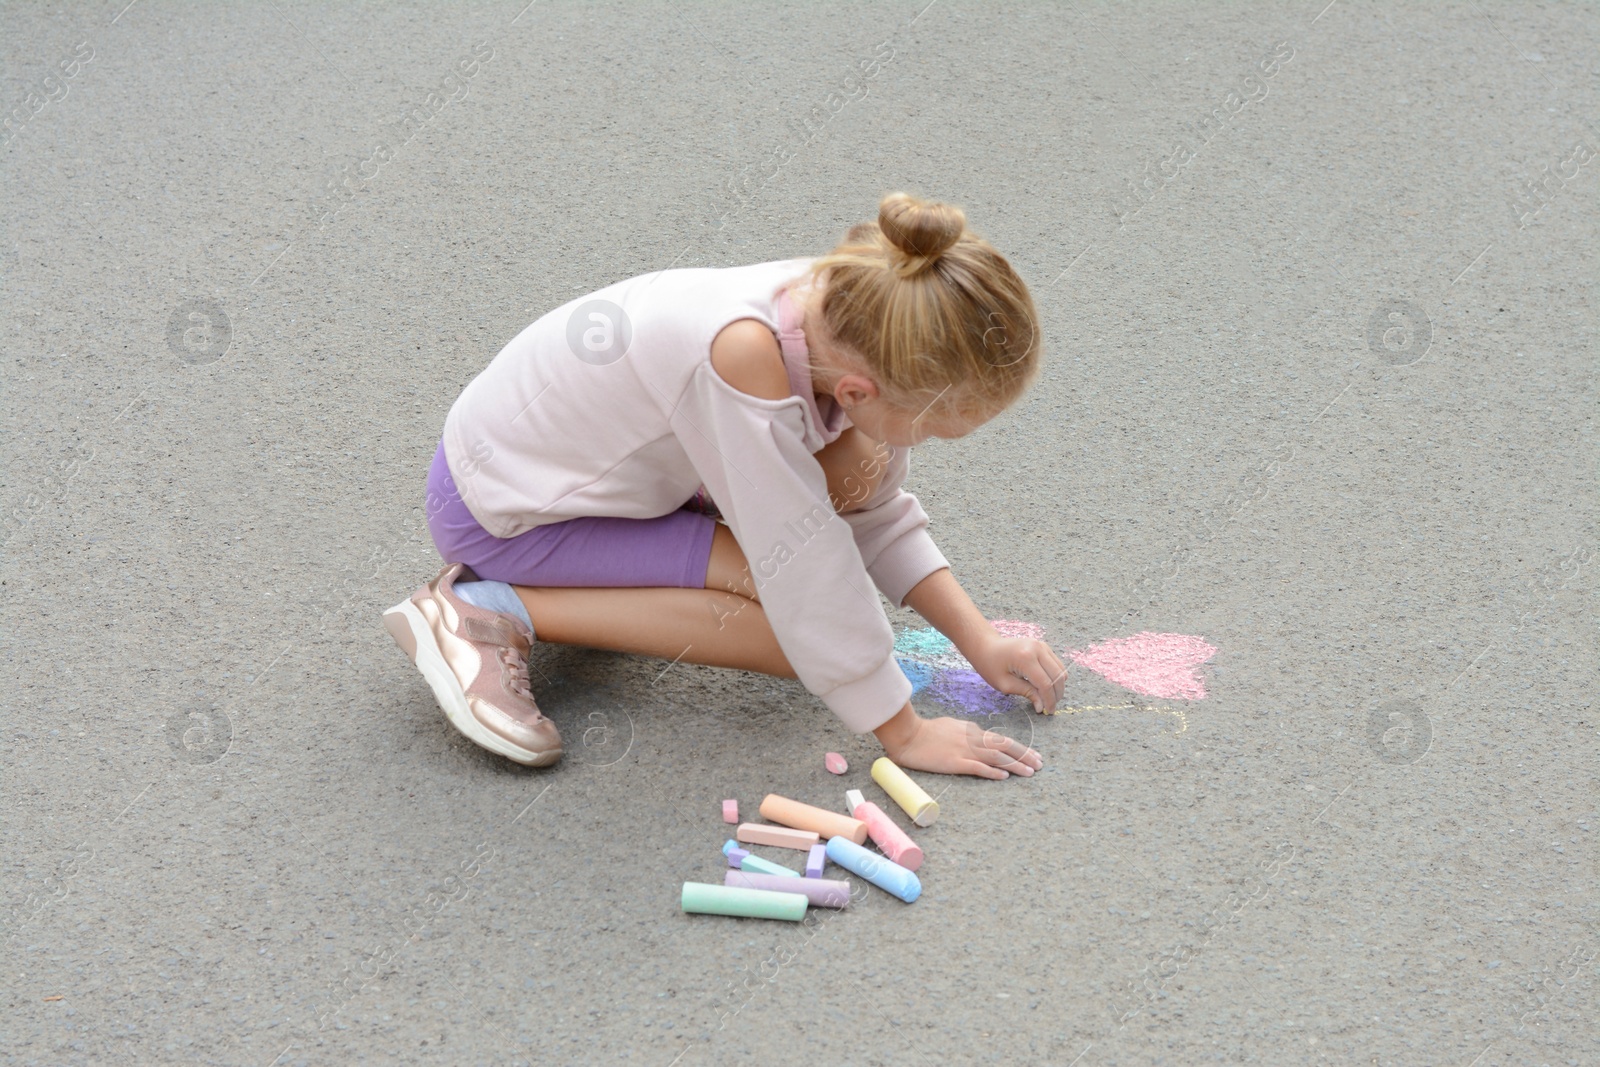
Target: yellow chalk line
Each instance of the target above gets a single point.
(1159, 709)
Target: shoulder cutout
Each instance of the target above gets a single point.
(745, 354)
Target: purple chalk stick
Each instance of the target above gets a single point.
(816, 859)
(820, 891)
(737, 856)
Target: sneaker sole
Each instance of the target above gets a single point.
(412, 633)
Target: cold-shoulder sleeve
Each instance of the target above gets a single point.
(891, 532)
(804, 559)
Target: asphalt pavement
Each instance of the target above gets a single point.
(1318, 282)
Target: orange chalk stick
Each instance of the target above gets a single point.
(781, 836)
(826, 824)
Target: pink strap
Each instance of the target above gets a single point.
(792, 340)
(829, 423)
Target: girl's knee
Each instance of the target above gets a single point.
(854, 465)
(728, 571)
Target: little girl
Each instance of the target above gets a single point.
(706, 466)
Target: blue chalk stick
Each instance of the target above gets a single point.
(881, 871)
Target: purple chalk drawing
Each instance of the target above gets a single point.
(1163, 665)
(967, 690)
(943, 674)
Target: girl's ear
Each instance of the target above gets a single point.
(853, 389)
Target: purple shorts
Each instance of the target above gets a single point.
(672, 550)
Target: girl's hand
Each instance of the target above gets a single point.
(954, 746)
(1022, 666)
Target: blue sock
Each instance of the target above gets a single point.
(494, 596)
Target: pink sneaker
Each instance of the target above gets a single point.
(476, 661)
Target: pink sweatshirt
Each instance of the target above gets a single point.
(542, 436)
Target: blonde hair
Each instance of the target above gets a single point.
(931, 310)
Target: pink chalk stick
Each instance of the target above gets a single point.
(835, 763)
(816, 859)
(781, 836)
(820, 891)
(730, 811)
(887, 835)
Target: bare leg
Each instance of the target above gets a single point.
(719, 629)
(722, 625)
(689, 625)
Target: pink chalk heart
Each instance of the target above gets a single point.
(1156, 665)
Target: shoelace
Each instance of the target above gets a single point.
(516, 674)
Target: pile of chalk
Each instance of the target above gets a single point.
(757, 888)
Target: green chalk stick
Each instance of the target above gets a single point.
(703, 899)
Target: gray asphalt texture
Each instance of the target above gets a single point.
(1326, 398)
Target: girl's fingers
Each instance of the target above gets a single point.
(1058, 675)
(1009, 763)
(983, 770)
(1005, 751)
(1025, 682)
(1041, 677)
(1055, 675)
(1044, 691)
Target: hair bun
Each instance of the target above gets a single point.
(920, 230)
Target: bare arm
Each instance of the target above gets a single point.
(1021, 666)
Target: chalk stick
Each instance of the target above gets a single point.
(889, 837)
(704, 899)
(729, 845)
(903, 791)
(835, 763)
(757, 865)
(881, 871)
(816, 860)
(780, 836)
(824, 824)
(853, 799)
(820, 891)
(730, 811)
(736, 857)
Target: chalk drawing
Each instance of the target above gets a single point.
(1165, 666)
(924, 643)
(1155, 709)
(1017, 628)
(1154, 665)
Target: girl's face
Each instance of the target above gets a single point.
(858, 394)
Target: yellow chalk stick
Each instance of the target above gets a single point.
(922, 808)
